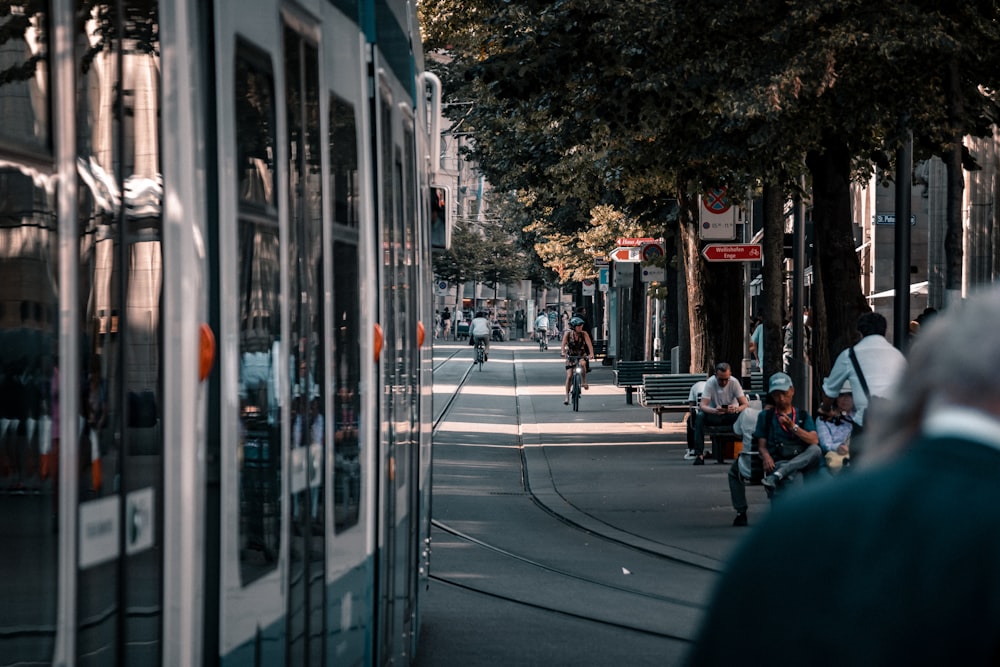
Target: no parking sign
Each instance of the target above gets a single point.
(717, 216)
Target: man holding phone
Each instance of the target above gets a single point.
(722, 401)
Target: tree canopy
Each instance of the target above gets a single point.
(578, 104)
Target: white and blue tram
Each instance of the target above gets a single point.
(215, 231)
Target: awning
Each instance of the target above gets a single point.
(915, 288)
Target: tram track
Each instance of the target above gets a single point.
(651, 599)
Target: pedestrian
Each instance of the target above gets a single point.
(445, 323)
(895, 563)
(872, 366)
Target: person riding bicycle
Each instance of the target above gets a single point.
(542, 327)
(576, 345)
(480, 329)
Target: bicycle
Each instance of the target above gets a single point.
(543, 339)
(576, 386)
(480, 353)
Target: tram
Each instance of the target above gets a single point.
(215, 240)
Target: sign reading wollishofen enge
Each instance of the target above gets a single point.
(732, 252)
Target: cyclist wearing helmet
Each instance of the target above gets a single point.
(576, 343)
(480, 328)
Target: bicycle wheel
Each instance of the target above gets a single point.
(575, 394)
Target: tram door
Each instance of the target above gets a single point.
(399, 455)
(309, 435)
(117, 431)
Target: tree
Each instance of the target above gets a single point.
(586, 102)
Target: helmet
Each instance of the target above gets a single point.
(575, 322)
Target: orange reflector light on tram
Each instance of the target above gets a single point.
(379, 342)
(420, 334)
(207, 354)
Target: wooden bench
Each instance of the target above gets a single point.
(667, 393)
(628, 374)
(756, 383)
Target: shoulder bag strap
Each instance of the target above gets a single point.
(861, 376)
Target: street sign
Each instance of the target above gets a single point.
(653, 274)
(626, 254)
(632, 242)
(717, 216)
(732, 252)
(588, 286)
(650, 251)
(890, 219)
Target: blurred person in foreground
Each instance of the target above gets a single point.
(896, 563)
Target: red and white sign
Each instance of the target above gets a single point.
(732, 252)
(716, 216)
(632, 242)
(651, 251)
(625, 254)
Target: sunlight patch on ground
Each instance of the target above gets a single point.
(469, 390)
(466, 427)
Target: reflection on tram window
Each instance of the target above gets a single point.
(260, 416)
(259, 266)
(118, 430)
(24, 76)
(255, 129)
(347, 378)
(343, 162)
(29, 419)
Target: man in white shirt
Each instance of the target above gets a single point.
(722, 401)
(480, 327)
(542, 327)
(881, 365)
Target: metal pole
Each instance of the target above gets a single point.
(797, 365)
(904, 185)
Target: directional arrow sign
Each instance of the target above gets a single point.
(732, 252)
(626, 254)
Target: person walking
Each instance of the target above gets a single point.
(872, 366)
(445, 323)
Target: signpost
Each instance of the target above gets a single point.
(732, 252)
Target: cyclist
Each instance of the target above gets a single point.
(576, 343)
(480, 329)
(542, 327)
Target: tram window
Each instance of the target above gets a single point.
(347, 377)
(343, 162)
(441, 222)
(24, 76)
(259, 264)
(29, 397)
(255, 128)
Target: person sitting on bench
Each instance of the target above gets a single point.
(722, 401)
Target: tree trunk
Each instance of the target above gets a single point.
(836, 255)
(683, 320)
(715, 302)
(774, 283)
